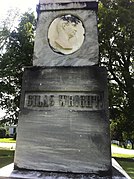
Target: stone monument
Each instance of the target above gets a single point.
(63, 125)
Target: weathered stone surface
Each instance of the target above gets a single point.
(67, 4)
(86, 55)
(64, 1)
(9, 172)
(63, 125)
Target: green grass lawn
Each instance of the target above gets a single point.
(7, 140)
(6, 157)
(122, 155)
(127, 165)
(126, 161)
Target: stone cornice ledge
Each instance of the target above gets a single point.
(67, 4)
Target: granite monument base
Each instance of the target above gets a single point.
(8, 173)
(63, 125)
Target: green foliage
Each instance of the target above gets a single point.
(116, 39)
(2, 132)
(18, 53)
(5, 27)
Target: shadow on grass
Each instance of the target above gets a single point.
(127, 165)
(6, 157)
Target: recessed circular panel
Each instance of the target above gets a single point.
(66, 34)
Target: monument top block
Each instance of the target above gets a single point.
(64, 1)
(69, 28)
(67, 4)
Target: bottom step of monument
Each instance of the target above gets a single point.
(8, 173)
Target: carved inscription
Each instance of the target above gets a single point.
(40, 101)
(86, 101)
(89, 101)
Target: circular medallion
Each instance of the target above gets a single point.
(66, 34)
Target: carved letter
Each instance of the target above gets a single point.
(51, 100)
(30, 100)
(62, 100)
(45, 101)
(70, 101)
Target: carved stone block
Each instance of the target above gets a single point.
(63, 124)
(66, 34)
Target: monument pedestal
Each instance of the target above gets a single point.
(8, 173)
(63, 124)
(63, 128)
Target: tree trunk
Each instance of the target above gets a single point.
(132, 145)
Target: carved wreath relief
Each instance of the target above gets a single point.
(66, 34)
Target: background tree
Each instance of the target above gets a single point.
(6, 25)
(2, 132)
(116, 39)
(17, 53)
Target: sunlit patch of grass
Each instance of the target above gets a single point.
(7, 140)
(115, 145)
(122, 155)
